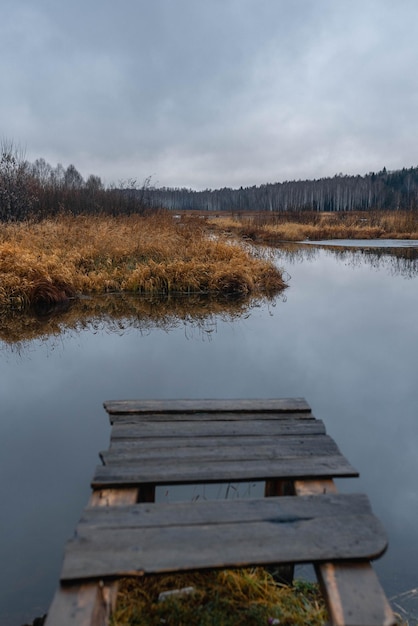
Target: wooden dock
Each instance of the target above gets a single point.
(124, 532)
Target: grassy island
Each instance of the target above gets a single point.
(53, 260)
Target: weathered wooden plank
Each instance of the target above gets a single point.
(89, 604)
(277, 405)
(161, 473)
(354, 595)
(352, 591)
(139, 418)
(125, 550)
(286, 447)
(277, 510)
(300, 530)
(159, 445)
(260, 428)
(162, 443)
(79, 605)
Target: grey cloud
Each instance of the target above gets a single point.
(227, 92)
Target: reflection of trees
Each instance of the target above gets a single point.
(120, 313)
(396, 261)
(293, 253)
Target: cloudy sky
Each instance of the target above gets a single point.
(211, 93)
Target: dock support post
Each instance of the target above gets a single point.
(90, 604)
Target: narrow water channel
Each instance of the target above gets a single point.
(344, 336)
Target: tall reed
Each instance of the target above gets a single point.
(287, 226)
(56, 259)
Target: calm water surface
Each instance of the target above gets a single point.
(345, 337)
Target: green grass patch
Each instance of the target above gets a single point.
(249, 597)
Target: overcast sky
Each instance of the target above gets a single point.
(211, 93)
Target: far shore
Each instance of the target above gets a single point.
(276, 227)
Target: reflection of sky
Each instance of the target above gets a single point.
(367, 243)
(346, 339)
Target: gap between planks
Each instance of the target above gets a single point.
(278, 405)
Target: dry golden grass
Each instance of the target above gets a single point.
(53, 260)
(247, 597)
(277, 227)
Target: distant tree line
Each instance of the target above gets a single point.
(375, 191)
(38, 190)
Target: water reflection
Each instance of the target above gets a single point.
(118, 313)
(397, 261)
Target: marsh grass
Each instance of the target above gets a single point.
(247, 597)
(271, 228)
(56, 259)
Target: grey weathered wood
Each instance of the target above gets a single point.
(276, 405)
(169, 442)
(276, 510)
(354, 595)
(159, 445)
(253, 428)
(138, 418)
(286, 447)
(165, 444)
(80, 605)
(216, 471)
(162, 443)
(352, 591)
(89, 604)
(156, 538)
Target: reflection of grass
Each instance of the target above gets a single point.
(247, 597)
(118, 312)
(398, 602)
(287, 226)
(53, 260)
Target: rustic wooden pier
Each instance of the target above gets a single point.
(124, 532)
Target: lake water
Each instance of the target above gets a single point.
(344, 336)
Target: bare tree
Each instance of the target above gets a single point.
(17, 188)
(72, 178)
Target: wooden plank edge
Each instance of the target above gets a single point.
(82, 605)
(354, 595)
(131, 417)
(278, 405)
(90, 604)
(203, 429)
(124, 476)
(352, 591)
